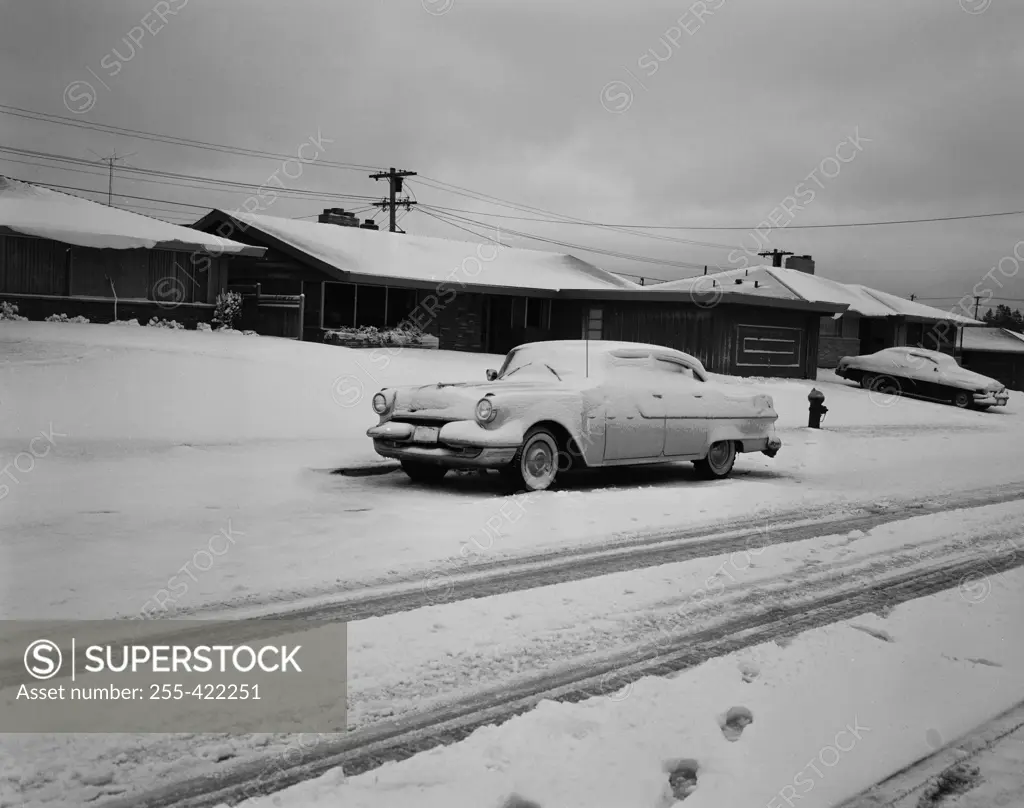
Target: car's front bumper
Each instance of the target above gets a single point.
(459, 444)
(991, 399)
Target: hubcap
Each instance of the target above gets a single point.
(539, 461)
(718, 456)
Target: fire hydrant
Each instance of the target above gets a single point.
(817, 408)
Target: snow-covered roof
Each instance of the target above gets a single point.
(997, 340)
(33, 210)
(792, 284)
(385, 255)
(914, 310)
(754, 281)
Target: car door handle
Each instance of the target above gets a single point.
(698, 395)
(656, 395)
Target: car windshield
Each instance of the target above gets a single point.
(553, 363)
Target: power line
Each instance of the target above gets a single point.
(28, 114)
(564, 219)
(495, 241)
(573, 220)
(611, 253)
(123, 196)
(46, 117)
(232, 185)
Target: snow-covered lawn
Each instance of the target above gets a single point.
(147, 466)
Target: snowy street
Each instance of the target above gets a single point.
(595, 586)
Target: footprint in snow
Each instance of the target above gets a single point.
(749, 671)
(682, 777)
(734, 721)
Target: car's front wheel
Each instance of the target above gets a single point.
(719, 462)
(420, 472)
(867, 380)
(535, 465)
(962, 399)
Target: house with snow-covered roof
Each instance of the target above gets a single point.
(63, 254)
(995, 352)
(872, 319)
(491, 297)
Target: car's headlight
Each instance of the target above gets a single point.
(485, 411)
(380, 404)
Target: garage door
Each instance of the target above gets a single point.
(759, 346)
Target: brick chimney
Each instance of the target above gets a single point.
(801, 263)
(338, 216)
(369, 224)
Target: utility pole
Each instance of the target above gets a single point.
(912, 298)
(110, 160)
(977, 305)
(776, 256)
(394, 179)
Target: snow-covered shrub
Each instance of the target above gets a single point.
(156, 322)
(63, 318)
(204, 327)
(249, 333)
(132, 322)
(9, 311)
(369, 336)
(227, 309)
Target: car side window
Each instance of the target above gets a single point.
(675, 368)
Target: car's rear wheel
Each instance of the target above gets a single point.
(961, 399)
(887, 387)
(535, 465)
(719, 462)
(421, 472)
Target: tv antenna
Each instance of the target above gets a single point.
(110, 160)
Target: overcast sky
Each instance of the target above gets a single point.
(636, 113)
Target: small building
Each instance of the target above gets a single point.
(995, 352)
(62, 254)
(490, 298)
(871, 321)
(471, 297)
(740, 322)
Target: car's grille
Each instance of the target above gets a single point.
(406, 419)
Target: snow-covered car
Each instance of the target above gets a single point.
(923, 373)
(573, 404)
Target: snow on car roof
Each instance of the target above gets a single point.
(424, 258)
(33, 210)
(609, 346)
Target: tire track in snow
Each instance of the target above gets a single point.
(549, 568)
(366, 749)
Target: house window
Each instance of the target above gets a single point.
(593, 327)
(371, 304)
(538, 312)
(401, 303)
(339, 305)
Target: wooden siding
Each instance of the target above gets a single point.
(1007, 368)
(710, 334)
(35, 266)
